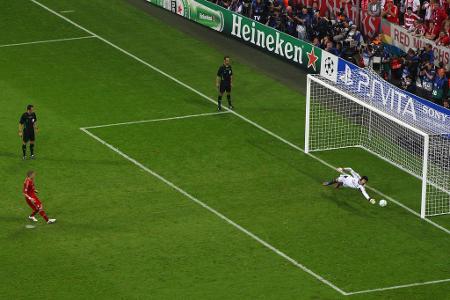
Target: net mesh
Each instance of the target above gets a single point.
(438, 176)
(336, 121)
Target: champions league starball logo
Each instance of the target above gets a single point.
(329, 66)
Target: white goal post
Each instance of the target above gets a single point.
(386, 124)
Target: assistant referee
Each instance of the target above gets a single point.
(27, 128)
(224, 82)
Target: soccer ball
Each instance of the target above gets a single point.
(382, 203)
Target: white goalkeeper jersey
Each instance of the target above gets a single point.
(352, 181)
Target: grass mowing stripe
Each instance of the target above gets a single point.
(218, 214)
(447, 231)
(158, 120)
(48, 41)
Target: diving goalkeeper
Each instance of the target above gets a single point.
(353, 181)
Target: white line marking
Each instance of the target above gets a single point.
(158, 120)
(48, 41)
(66, 11)
(385, 196)
(218, 214)
(236, 114)
(399, 286)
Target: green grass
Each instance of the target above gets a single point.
(122, 233)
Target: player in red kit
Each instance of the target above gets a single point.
(30, 196)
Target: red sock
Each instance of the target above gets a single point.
(34, 213)
(42, 213)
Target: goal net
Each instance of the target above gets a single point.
(383, 120)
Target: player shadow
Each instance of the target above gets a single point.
(15, 219)
(287, 161)
(10, 154)
(345, 204)
(18, 156)
(79, 162)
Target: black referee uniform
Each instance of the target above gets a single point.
(27, 122)
(224, 75)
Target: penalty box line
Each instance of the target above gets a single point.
(237, 226)
(250, 122)
(48, 41)
(215, 212)
(157, 120)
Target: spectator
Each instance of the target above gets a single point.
(236, 6)
(224, 3)
(339, 50)
(433, 30)
(330, 48)
(419, 28)
(374, 8)
(258, 12)
(446, 100)
(246, 8)
(323, 27)
(414, 4)
(427, 54)
(440, 87)
(366, 56)
(396, 67)
(304, 21)
(409, 19)
(409, 84)
(427, 9)
(412, 63)
(390, 12)
(277, 5)
(290, 22)
(438, 14)
(425, 80)
(443, 38)
(316, 42)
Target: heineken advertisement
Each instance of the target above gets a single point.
(278, 43)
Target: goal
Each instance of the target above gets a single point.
(373, 115)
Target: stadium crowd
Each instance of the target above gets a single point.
(416, 71)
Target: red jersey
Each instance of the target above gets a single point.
(392, 13)
(409, 20)
(420, 29)
(433, 29)
(28, 188)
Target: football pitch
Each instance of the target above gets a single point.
(157, 195)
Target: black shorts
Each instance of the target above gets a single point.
(28, 136)
(225, 87)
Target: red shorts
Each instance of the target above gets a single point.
(36, 205)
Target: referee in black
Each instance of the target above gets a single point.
(224, 82)
(27, 129)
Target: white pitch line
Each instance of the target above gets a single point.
(398, 287)
(233, 112)
(218, 214)
(66, 11)
(48, 41)
(158, 120)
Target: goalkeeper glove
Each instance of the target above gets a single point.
(372, 201)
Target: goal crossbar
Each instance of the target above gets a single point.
(336, 119)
